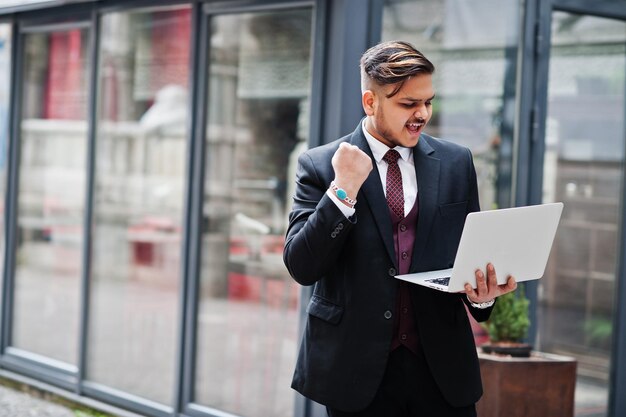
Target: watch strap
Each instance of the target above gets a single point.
(481, 306)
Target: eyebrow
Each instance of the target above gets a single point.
(417, 100)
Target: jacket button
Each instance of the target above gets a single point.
(333, 234)
(392, 272)
(403, 228)
(388, 314)
(340, 226)
(405, 255)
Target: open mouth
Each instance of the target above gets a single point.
(415, 127)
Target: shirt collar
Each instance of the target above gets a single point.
(379, 149)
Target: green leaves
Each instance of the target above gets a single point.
(509, 320)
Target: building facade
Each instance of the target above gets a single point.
(147, 159)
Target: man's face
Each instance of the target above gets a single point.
(399, 120)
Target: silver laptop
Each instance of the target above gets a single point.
(517, 241)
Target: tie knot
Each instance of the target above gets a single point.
(391, 157)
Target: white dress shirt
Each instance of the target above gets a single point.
(405, 163)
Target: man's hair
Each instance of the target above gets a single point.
(392, 62)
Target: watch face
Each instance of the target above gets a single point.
(341, 193)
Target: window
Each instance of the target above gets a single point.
(584, 168)
(258, 99)
(141, 145)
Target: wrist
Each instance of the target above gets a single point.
(348, 185)
(482, 305)
(342, 194)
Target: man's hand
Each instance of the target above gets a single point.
(352, 167)
(488, 289)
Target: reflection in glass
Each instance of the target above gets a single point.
(138, 203)
(51, 195)
(583, 167)
(473, 46)
(258, 122)
(5, 79)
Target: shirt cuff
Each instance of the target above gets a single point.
(347, 211)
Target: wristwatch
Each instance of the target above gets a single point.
(342, 195)
(481, 306)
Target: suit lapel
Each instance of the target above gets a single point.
(372, 190)
(427, 172)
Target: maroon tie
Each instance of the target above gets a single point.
(395, 193)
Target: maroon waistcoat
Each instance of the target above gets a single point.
(404, 329)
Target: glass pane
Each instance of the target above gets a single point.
(259, 90)
(474, 48)
(139, 195)
(583, 167)
(5, 79)
(51, 195)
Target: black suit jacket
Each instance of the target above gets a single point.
(351, 262)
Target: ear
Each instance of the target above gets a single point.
(368, 99)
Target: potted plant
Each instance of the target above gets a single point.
(508, 325)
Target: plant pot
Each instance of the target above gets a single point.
(517, 350)
(541, 385)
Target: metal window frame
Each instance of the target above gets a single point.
(47, 20)
(531, 148)
(5, 285)
(193, 220)
(45, 5)
(142, 6)
(89, 203)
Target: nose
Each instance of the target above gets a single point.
(421, 111)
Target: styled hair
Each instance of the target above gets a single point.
(392, 62)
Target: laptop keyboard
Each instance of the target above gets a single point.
(440, 281)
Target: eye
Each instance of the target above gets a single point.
(407, 105)
(429, 103)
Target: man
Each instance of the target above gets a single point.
(386, 200)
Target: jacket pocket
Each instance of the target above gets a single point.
(453, 209)
(325, 310)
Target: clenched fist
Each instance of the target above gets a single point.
(352, 167)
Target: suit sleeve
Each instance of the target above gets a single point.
(473, 205)
(317, 228)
